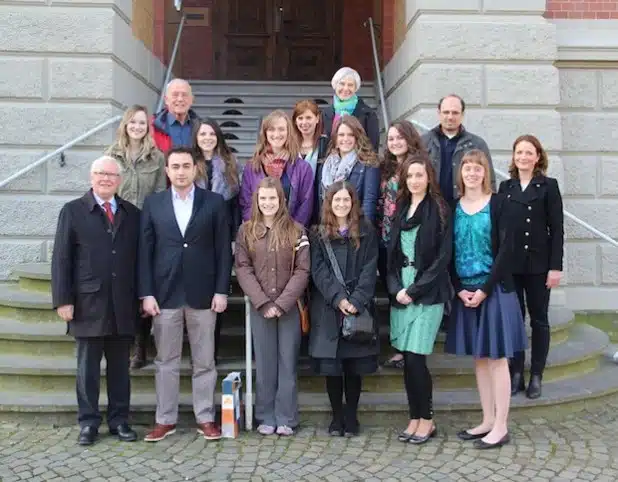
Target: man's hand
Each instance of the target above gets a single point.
(219, 303)
(65, 312)
(150, 306)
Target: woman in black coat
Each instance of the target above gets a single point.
(355, 247)
(346, 83)
(535, 204)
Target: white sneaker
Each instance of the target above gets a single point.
(285, 431)
(266, 429)
(616, 357)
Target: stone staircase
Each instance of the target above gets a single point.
(37, 364)
(238, 106)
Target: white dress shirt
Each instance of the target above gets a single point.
(183, 208)
(100, 202)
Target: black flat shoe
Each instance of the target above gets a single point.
(335, 429)
(87, 435)
(418, 440)
(517, 383)
(534, 387)
(404, 436)
(124, 433)
(480, 445)
(466, 436)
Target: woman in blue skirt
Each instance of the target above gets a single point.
(418, 281)
(486, 321)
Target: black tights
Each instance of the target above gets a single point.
(419, 386)
(336, 386)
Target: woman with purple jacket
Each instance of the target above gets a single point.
(277, 155)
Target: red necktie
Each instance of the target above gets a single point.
(108, 210)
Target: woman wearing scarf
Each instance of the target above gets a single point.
(346, 82)
(277, 155)
(351, 158)
(418, 282)
(217, 168)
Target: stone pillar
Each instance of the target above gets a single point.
(498, 55)
(64, 68)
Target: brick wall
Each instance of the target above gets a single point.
(582, 9)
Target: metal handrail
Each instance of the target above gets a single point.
(60, 150)
(170, 65)
(377, 71)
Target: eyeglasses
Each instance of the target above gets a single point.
(111, 175)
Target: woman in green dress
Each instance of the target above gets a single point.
(418, 278)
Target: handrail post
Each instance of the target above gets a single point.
(378, 73)
(248, 368)
(168, 72)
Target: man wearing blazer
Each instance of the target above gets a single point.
(185, 264)
(94, 289)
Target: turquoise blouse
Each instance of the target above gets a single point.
(473, 254)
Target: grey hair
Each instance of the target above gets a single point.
(100, 160)
(344, 72)
(178, 81)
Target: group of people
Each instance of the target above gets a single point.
(317, 215)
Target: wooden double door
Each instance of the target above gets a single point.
(277, 39)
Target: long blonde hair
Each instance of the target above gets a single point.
(291, 147)
(122, 144)
(284, 232)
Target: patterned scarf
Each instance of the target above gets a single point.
(345, 107)
(337, 169)
(220, 184)
(274, 165)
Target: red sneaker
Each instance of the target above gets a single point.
(209, 430)
(159, 432)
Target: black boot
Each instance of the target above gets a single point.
(534, 387)
(352, 427)
(335, 429)
(142, 337)
(516, 363)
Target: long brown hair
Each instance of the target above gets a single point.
(300, 108)
(221, 149)
(284, 232)
(433, 188)
(540, 168)
(364, 148)
(406, 129)
(292, 147)
(475, 156)
(328, 222)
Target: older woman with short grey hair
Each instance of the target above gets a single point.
(346, 83)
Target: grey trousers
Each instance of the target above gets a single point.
(277, 346)
(168, 334)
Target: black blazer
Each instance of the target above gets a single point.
(539, 220)
(501, 248)
(94, 267)
(185, 270)
(366, 116)
(432, 255)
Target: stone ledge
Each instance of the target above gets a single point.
(587, 40)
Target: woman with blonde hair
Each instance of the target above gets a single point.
(308, 126)
(344, 258)
(536, 206)
(272, 267)
(486, 320)
(142, 163)
(346, 102)
(143, 172)
(277, 154)
(351, 158)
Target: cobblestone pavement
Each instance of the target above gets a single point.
(573, 447)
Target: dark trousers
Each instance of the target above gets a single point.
(89, 354)
(534, 295)
(419, 386)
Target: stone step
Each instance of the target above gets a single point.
(60, 407)
(284, 100)
(209, 109)
(578, 355)
(302, 89)
(230, 121)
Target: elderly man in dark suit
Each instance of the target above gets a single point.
(94, 290)
(185, 265)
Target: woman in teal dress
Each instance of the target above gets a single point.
(418, 279)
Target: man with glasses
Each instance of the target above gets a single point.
(94, 289)
(448, 142)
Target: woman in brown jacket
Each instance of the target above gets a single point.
(272, 267)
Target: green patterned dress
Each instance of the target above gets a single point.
(414, 327)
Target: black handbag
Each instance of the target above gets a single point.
(359, 328)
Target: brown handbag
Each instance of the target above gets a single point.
(302, 302)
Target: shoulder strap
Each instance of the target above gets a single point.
(333, 260)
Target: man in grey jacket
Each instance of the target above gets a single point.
(448, 142)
